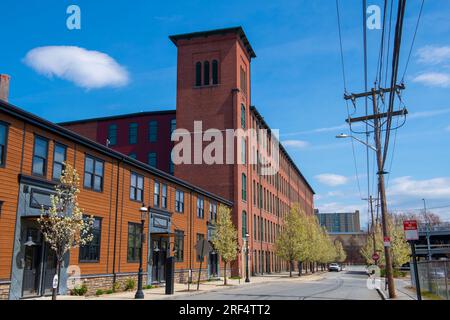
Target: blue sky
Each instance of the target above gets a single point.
(296, 80)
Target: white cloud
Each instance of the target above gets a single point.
(331, 179)
(433, 54)
(297, 144)
(406, 187)
(87, 69)
(434, 79)
(428, 114)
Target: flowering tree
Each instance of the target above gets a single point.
(224, 238)
(63, 225)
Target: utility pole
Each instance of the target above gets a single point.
(375, 117)
(427, 221)
(373, 225)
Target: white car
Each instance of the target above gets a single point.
(334, 267)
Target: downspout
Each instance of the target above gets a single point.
(115, 223)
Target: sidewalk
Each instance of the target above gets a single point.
(403, 288)
(181, 290)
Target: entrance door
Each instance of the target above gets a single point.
(49, 269)
(213, 262)
(155, 260)
(160, 248)
(162, 259)
(32, 264)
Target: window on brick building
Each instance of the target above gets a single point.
(59, 158)
(156, 194)
(215, 72)
(133, 155)
(244, 151)
(206, 73)
(153, 131)
(254, 227)
(132, 133)
(112, 134)
(243, 80)
(40, 156)
(3, 143)
(171, 164)
(244, 224)
(136, 187)
(173, 126)
(134, 242)
(152, 159)
(164, 196)
(200, 208)
(179, 201)
(179, 246)
(198, 74)
(213, 212)
(91, 251)
(93, 173)
(244, 187)
(243, 120)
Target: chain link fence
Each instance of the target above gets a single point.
(434, 277)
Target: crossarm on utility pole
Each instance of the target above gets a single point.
(377, 116)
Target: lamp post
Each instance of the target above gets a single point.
(247, 236)
(139, 293)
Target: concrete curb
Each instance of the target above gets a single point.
(382, 294)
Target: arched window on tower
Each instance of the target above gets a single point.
(215, 72)
(198, 74)
(206, 73)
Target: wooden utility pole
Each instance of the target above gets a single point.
(375, 117)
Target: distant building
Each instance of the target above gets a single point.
(339, 221)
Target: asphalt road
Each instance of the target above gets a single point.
(345, 285)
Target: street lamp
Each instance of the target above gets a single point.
(247, 236)
(343, 136)
(139, 293)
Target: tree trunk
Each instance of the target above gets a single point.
(224, 273)
(299, 268)
(291, 264)
(55, 290)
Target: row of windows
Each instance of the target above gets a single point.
(206, 77)
(264, 199)
(133, 132)
(264, 230)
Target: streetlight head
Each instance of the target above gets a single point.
(247, 235)
(143, 210)
(342, 135)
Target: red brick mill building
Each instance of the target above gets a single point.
(129, 155)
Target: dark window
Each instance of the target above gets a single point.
(244, 224)
(134, 242)
(136, 187)
(179, 246)
(3, 143)
(40, 156)
(243, 151)
(244, 187)
(198, 74)
(254, 226)
(215, 72)
(156, 193)
(112, 134)
(91, 251)
(133, 155)
(179, 201)
(152, 159)
(206, 73)
(213, 212)
(163, 196)
(59, 157)
(200, 237)
(132, 133)
(200, 208)
(173, 126)
(243, 80)
(243, 122)
(93, 173)
(153, 131)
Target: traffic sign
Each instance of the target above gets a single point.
(203, 247)
(387, 241)
(375, 257)
(411, 230)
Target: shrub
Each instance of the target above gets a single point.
(149, 286)
(79, 291)
(115, 287)
(109, 291)
(99, 292)
(130, 284)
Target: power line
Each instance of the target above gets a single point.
(413, 40)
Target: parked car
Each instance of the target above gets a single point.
(334, 267)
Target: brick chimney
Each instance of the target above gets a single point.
(4, 87)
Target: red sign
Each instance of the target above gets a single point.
(410, 228)
(375, 257)
(387, 241)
